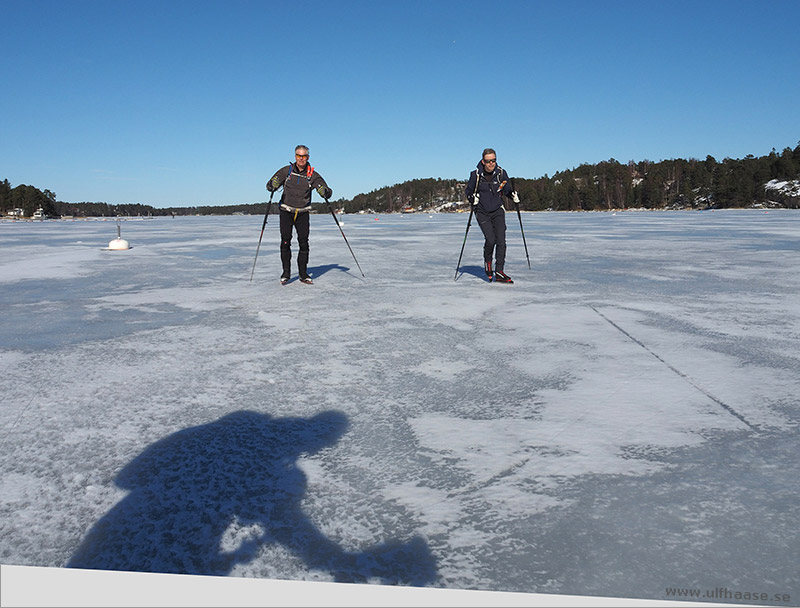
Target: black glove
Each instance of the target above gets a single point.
(324, 192)
(273, 184)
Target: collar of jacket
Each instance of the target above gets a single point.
(308, 172)
(482, 170)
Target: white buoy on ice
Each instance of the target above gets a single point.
(119, 244)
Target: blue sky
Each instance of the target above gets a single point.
(198, 103)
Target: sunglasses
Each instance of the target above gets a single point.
(301, 155)
(490, 160)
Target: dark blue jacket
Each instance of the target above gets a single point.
(491, 186)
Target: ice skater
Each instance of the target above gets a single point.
(298, 180)
(487, 183)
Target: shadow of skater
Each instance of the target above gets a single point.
(476, 271)
(318, 271)
(187, 489)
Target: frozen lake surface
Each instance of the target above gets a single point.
(621, 421)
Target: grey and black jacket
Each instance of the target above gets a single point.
(489, 188)
(297, 187)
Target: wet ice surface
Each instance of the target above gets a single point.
(621, 420)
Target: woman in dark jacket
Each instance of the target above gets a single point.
(486, 185)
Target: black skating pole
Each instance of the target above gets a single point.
(519, 215)
(469, 221)
(266, 215)
(335, 219)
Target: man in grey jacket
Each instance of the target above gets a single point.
(298, 180)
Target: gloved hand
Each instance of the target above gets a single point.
(273, 184)
(324, 192)
(476, 198)
(515, 197)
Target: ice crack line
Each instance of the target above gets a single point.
(724, 405)
(479, 485)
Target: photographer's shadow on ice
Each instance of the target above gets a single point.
(207, 498)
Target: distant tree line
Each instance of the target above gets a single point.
(675, 183)
(416, 193)
(667, 184)
(27, 198)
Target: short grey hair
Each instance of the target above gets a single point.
(296, 148)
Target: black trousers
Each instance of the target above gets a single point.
(300, 221)
(493, 226)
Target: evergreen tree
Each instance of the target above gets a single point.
(5, 193)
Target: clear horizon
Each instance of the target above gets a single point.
(193, 104)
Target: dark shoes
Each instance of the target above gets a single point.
(285, 278)
(487, 266)
(502, 277)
